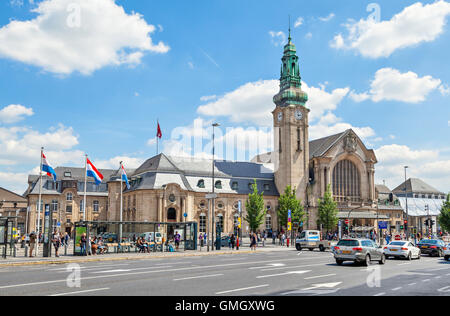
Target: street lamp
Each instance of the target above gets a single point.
(406, 199)
(213, 185)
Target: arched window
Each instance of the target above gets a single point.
(346, 182)
(202, 223)
(268, 222)
(171, 214)
(220, 221)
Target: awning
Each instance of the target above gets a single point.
(362, 215)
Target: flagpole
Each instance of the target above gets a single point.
(39, 203)
(121, 204)
(157, 137)
(85, 185)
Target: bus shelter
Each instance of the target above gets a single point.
(7, 237)
(153, 232)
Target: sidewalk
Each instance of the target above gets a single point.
(70, 258)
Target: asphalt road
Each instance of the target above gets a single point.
(283, 273)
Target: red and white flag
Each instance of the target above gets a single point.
(159, 133)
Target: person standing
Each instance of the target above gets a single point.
(253, 240)
(232, 241)
(32, 243)
(177, 240)
(83, 242)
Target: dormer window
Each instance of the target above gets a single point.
(218, 184)
(67, 174)
(234, 185)
(201, 184)
(266, 187)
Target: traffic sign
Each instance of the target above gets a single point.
(289, 226)
(211, 196)
(185, 214)
(347, 221)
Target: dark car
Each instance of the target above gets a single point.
(432, 247)
(224, 241)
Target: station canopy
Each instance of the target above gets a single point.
(416, 206)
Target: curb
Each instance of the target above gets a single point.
(117, 259)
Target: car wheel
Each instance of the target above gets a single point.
(321, 248)
(311, 249)
(409, 256)
(440, 254)
(383, 259)
(339, 262)
(419, 256)
(447, 258)
(367, 261)
(299, 248)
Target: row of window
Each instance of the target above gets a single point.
(54, 206)
(234, 185)
(429, 196)
(220, 221)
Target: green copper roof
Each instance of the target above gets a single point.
(290, 80)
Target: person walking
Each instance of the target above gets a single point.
(32, 243)
(253, 240)
(232, 241)
(56, 240)
(177, 240)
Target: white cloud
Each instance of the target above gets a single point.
(327, 18)
(14, 113)
(428, 165)
(208, 98)
(191, 65)
(416, 24)
(114, 163)
(391, 85)
(278, 38)
(444, 90)
(298, 22)
(77, 35)
(308, 35)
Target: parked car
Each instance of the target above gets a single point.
(224, 241)
(150, 236)
(359, 251)
(447, 252)
(432, 247)
(402, 249)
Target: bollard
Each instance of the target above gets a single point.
(65, 249)
(26, 250)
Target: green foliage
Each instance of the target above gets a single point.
(444, 217)
(328, 212)
(288, 201)
(256, 211)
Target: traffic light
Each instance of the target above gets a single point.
(433, 222)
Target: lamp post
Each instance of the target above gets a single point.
(213, 216)
(406, 199)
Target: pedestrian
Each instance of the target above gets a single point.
(56, 240)
(83, 242)
(232, 241)
(253, 240)
(274, 236)
(177, 240)
(66, 239)
(32, 243)
(264, 238)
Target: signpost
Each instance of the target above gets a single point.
(289, 226)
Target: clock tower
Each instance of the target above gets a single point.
(290, 119)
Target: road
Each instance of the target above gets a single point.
(284, 273)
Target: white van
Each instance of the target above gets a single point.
(150, 236)
(310, 239)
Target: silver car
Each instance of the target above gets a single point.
(359, 251)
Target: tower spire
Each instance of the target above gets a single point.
(289, 39)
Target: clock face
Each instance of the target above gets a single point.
(298, 115)
(280, 116)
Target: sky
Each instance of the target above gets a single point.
(95, 76)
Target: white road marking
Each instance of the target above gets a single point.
(404, 264)
(112, 271)
(319, 276)
(90, 267)
(380, 294)
(325, 285)
(293, 267)
(426, 280)
(78, 292)
(397, 288)
(198, 277)
(411, 284)
(285, 273)
(243, 289)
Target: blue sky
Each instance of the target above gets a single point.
(94, 79)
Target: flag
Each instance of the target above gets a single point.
(47, 168)
(124, 176)
(91, 171)
(159, 133)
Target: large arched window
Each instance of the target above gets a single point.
(346, 181)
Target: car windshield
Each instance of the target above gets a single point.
(428, 241)
(313, 233)
(348, 243)
(397, 243)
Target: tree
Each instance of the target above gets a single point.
(288, 201)
(256, 211)
(328, 212)
(444, 217)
